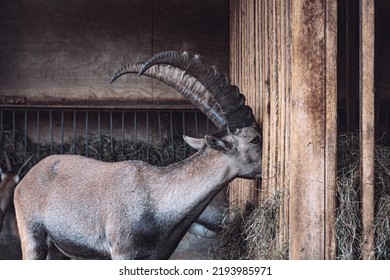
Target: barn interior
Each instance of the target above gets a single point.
(57, 58)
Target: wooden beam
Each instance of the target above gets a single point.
(313, 129)
(331, 130)
(367, 122)
(243, 73)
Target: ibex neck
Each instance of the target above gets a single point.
(192, 183)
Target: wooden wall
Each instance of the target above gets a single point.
(64, 52)
(283, 57)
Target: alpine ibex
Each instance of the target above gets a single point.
(90, 209)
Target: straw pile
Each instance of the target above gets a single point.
(249, 233)
(349, 224)
(252, 233)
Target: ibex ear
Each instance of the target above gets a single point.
(217, 143)
(195, 143)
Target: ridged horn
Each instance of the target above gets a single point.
(24, 164)
(9, 165)
(186, 84)
(231, 102)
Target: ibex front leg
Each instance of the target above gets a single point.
(34, 242)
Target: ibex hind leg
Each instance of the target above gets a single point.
(33, 238)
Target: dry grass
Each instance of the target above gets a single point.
(348, 216)
(349, 223)
(251, 233)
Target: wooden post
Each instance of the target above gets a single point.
(313, 128)
(367, 123)
(244, 73)
(331, 130)
(283, 58)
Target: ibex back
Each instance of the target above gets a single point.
(89, 209)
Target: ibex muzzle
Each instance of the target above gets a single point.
(131, 210)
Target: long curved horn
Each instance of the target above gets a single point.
(9, 165)
(24, 164)
(228, 97)
(186, 84)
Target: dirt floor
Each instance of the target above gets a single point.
(193, 247)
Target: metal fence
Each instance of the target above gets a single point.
(154, 136)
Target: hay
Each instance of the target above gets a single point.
(249, 233)
(98, 146)
(231, 243)
(253, 233)
(262, 235)
(348, 214)
(382, 202)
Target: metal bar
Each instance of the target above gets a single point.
(135, 153)
(160, 137)
(123, 135)
(111, 137)
(367, 123)
(147, 138)
(74, 132)
(99, 133)
(14, 133)
(86, 133)
(51, 131)
(25, 133)
(62, 131)
(171, 134)
(38, 134)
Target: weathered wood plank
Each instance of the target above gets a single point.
(260, 63)
(367, 123)
(331, 130)
(284, 126)
(307, 154)
(242, 72)
(65, 52)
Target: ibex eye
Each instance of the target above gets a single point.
(255, 140)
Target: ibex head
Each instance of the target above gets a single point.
(10, 173)
(239, 136)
